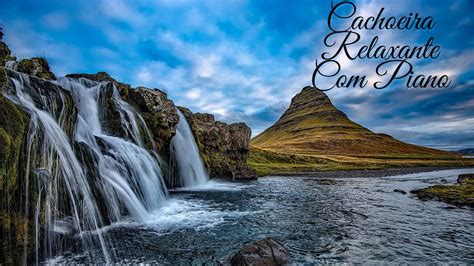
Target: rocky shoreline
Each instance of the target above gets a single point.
(460, 194)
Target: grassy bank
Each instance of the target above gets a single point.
(269, 162)
(461, 194)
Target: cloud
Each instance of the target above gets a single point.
(193, 94)
(56, 20)
(246, 66)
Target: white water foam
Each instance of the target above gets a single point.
(191, 170)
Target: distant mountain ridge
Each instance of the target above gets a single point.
(468, 152)
(312, 125)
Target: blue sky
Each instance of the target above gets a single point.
(244, 60)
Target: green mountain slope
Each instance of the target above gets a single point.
(312, 126)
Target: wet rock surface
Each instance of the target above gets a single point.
(399, 191)
(263, 252)
(224, 147)
(16, 224)
(159, 113)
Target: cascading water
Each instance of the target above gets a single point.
(101, 177)
(11, 64)
(131, 175)
(191, 170)
(62, 175)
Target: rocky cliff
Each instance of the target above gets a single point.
(157, 110)
(224, 147)
(16, 225)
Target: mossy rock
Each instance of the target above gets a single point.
(3, 78)
(5, 142)
(5, 54)
(465, 178)
(457, 194)
(37, 67)
(13, 225)
(19, 190)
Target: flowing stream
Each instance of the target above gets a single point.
(320, 221)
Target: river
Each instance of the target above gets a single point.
(355, 220)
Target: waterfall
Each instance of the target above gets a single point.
(191, 170)
(11, 64)
(130, 174)
(92, 179)
(62, 175)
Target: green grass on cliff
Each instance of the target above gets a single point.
(266, 162)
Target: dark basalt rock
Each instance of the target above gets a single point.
(263, 252)
(464, 178)
(224, 148)
(159, 113)
(399, 191)
(5, 53)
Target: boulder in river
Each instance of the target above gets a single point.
(263, 252)
(399, 191)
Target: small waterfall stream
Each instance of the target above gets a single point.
(11, 64)
(191, 170)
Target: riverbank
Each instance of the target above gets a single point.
(366, 173)
(273, 163)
